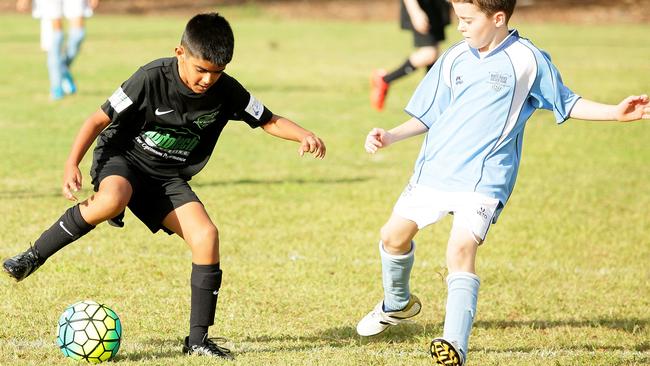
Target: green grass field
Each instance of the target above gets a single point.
(565, 275)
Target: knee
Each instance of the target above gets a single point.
(393, 243)
(104, 205)
(427, 55)
(207, 237)
(462, 250)
(113, 203)
(461, 256)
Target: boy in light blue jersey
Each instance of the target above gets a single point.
(473, 106)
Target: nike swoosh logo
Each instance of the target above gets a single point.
(160, 113)
(64, 228)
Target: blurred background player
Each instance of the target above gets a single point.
(426, 19)
(59, 58)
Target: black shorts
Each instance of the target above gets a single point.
(438, 13)
(153, 198)
(426, 39)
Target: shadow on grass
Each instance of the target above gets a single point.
(641, 347)
(280, 181)
(346, 336)
(22, 193)
(156, 348)
(340, 337)
(627, 325)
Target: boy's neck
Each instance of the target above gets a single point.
(501, 34)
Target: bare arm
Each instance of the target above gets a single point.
(89, 131)
(378, 138)
(631, 108)
(419, 18)
(284, 128)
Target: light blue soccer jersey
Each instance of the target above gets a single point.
(476, 109)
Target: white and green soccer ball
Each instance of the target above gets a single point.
(89, 331)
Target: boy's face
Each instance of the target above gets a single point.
(197, 74)
(480, 30)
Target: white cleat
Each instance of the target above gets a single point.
(379, 320)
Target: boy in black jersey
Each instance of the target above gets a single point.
(153, 134)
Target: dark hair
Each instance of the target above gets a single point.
(209, 37)
(490, 7)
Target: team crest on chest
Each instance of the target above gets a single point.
(498, 80)
(206, 119)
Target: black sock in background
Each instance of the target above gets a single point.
(406, 68)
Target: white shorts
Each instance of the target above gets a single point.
(425, 206)
(47, 10)
(57, 9)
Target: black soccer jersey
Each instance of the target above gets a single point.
(167, 130)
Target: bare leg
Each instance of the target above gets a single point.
(110, 200)
(424, 56)
(192, 223)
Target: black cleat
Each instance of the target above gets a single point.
(209, 347)
(117, 221)
(446, 353)
(22, 265)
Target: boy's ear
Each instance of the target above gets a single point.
(500, 19)
(179, 51)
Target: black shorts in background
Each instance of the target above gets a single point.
(438, 13)
(153, 197)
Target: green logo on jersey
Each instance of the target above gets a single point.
(206, 119)
(166, 141)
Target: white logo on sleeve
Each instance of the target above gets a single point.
(160, 113)
(65, 229)
(119, 100)
(255, 108)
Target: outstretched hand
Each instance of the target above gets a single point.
(313, 145)
(633, 108)
(71, 182)
(376, 139)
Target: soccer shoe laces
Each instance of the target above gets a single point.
(211, 346)
(24, 264)
(384, 317)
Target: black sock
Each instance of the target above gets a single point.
(70, 227)
(205, 283)
(403, 70)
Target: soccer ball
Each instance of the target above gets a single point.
(89, 331)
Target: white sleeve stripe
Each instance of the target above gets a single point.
(525, 70)
(448, 61)
(119, 100)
